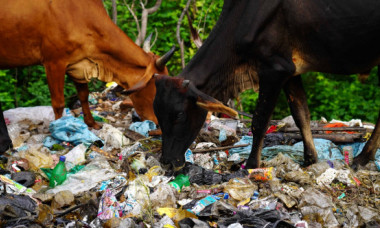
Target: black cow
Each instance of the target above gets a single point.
(5, 141)
(266, 45)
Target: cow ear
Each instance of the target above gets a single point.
(216, 107)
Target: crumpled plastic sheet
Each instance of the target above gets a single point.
(95, 172)
(243, 151)
(259, 217)
(143, 127)
(112, 136)
(35, 114)
(326, 150)
(69, 129)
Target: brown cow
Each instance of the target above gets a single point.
(79, 39)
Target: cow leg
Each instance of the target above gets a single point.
(297, 101)
(82, 89)
(271, 83)
(369, 151)
(370, 148)
(5, 141)
(55, 74)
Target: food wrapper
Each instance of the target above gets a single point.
(18, 188)
(109, 206)
(261, 174)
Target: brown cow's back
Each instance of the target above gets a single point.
(77, 38)
(37, 31)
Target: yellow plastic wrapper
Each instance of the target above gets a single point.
(244, 202)
(37, 159)
(176, 214)
(261, 174)
(109, 84)
(154, 171)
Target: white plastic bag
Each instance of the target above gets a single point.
(113, 137)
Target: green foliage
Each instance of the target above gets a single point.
(331, 96)
(343, 97)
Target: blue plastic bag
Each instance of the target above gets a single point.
(69, 129)
(243, 151)
(143, 127)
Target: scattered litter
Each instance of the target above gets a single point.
(113, 177)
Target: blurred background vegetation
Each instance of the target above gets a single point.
(331, 96)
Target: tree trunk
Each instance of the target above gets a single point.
(114, 11)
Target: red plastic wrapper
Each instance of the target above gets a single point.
(261, 174)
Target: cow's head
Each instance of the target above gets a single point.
(142, 88)
(181, 110)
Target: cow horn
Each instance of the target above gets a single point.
(146, 46)
(161, 62)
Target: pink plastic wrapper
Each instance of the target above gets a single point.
(108, 206)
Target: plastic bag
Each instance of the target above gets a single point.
(318, 168)
(317, 214)
(313, 197)
(325, 149)
(143, 127)
(76, 156)
(70, 129)
(112, 136)
(130, 150)
(164, 196)
(35, 114)
(298, 176)
(16, 206)
(240, 188)
(204, 160)
(17, 135)
(38, 157)
(227, 125)
(95, 172)
(260, 218)
(242, 151)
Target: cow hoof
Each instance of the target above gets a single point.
(94, 125)
(359, 161)
(4, 146)
(309, 161)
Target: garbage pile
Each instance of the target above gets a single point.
(61, 174)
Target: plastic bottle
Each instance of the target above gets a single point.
(180, 181)
(348, 154)
(59, 173)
